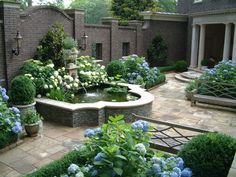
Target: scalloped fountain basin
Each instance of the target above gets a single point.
(98, 112)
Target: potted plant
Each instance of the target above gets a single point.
(204, 64)
(189, 90)
(31, 120)
(22, 93)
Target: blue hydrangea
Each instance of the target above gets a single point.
(98, 131)
(180, 163)
(156, 169)
(73, 168)
(8, 121)
(99, 157)
(177, 170)
(88, 168)
(174, 174)
(17, 128)
(141, 148)
(165, 174)
(89, 133)
(79, 174)
(5, 98)
(94, 173)
(15, 110)
(140, 125)
(156, 160)
(187, 172)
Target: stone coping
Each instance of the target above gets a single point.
(145, 98)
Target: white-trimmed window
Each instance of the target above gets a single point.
(197, 1)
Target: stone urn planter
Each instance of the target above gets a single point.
(32, 130)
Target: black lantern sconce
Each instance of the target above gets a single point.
(18, 40)
(83, 42)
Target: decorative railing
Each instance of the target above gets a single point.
(216, 89)
(170, 137)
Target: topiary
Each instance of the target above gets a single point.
(51, 46)
(209, 155)
(22, 91)
(157, 52)
(115, 68)
(181, 66)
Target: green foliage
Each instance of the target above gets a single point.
(22, 91)
(167, 5)
(181, 66)
(157, 51)
(166, 68)
(69, 43)
(58, 167)
(204, 62)
(129, 9)
(94, 10)
(51, 46)
(7, 138)
(115, 68)
(209, 155)
(31, 116)
(191, 86)
(61, 95)
(160, 79)
(116, 89)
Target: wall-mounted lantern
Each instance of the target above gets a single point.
(18, 40)
(83, 42)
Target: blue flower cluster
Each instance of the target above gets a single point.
(170, 167)
(140, 125)
(3, 94)
(92, 132)
(9, 117)
(99, 157)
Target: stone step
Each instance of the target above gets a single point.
(191, 75)
(181, 78)
(196, 70)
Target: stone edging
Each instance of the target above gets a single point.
(11, 146)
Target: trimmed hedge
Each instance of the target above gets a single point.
(161, 78)
(166, 68)
(209, 155)
(59, 166)
(7, 138)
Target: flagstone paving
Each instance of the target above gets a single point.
(55, 140)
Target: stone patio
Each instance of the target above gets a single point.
(56, 140)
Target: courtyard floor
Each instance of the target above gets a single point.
(55, 140)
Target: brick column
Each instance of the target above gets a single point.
(139, 36)
(11, 19)
(113, 22)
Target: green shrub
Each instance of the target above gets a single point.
(22, 91)
(69, 43)
(191, 86)
(160, 79)
(51, 46)
(157, 52)
(181, 66)
(204, 62)
(115, 68)
(7, 138)
(166, 68)
(209, 155)
(58, 167)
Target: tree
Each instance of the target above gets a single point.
(56, 3)
(157, 52)
(94, 9)
(24, 3)
(129, 9)
(167, 5)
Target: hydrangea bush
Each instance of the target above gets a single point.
(10, 123)
(138, 71)
(218, 81)
(120, 149)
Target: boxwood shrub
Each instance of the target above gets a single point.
(181, 66)
(7, 138)
(115, 68)
(209, 155)
(22, 91)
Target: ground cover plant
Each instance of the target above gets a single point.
(135, 70)
(10, 123)
(219, 81)
(117, 149)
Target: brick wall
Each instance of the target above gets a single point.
(174, 34)
(2, 61)
(188, 6)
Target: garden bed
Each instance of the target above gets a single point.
(95, 113)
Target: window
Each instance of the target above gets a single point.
(97, 51)
(197, 1)
(125, 49)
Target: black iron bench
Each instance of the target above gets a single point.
(169, 137)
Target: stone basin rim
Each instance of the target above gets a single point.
(145, 98)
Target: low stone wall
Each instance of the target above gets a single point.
(92, 114)
(232, 171)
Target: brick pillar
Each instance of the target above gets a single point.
(139, 36)
(10, 12)
(114, 37)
